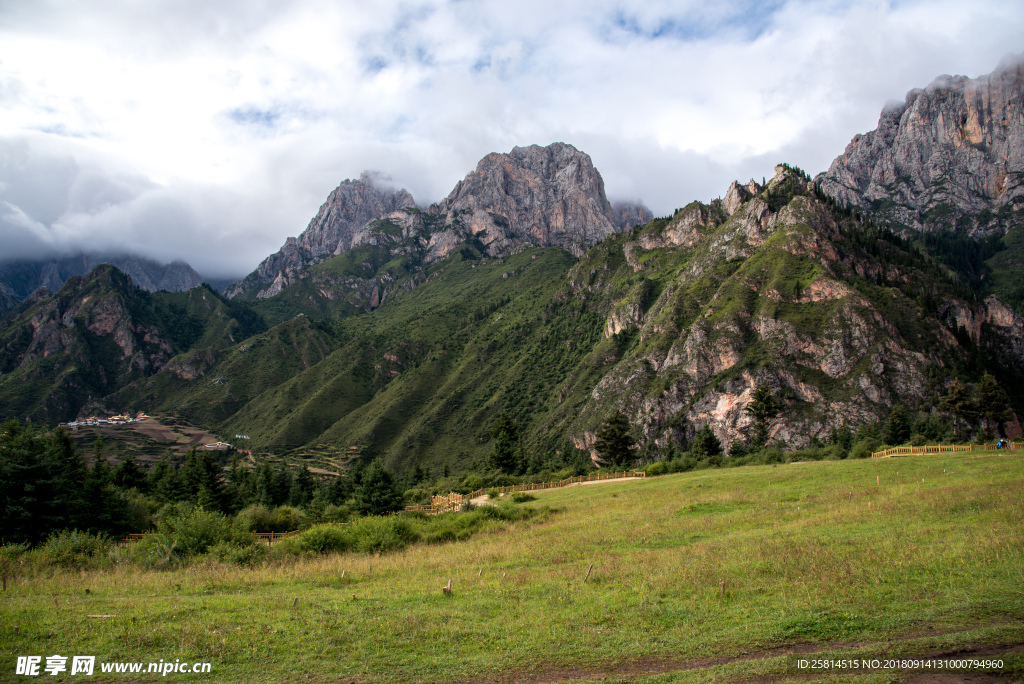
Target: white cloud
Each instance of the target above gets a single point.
(209, 132)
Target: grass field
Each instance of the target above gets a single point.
(908, 557)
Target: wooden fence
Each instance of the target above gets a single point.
(941, 449)
(454, 501)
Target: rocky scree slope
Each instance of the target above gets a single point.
(532, 196)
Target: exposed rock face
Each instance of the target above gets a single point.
(8, 299)
(349, 208)
(541, 196)
(850, 365)
(333, 230)
(629, 214)
(21, 278)
(545, 196)
(953, 148)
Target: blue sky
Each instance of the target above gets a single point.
(211, 133)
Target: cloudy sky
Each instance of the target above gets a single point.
(209, 132)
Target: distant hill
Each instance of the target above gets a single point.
(60, 351)
(19, 279)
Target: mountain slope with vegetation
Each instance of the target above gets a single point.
(674, 324)
(60, 352)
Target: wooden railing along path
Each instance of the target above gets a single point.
(454, 501)
(941, 449)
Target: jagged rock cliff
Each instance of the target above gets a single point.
(952, 155)
(533, 196)
(542, 196)
(333, 230)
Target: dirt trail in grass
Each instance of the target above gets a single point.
(646, 667)
(486, 500)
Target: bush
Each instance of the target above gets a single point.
(471, 483)
(250, 555)
(836, 452)
(335, 514)
(287, 519)
(74, 549)
(254, 518)
(382, 534)
(917, 439)
(493, 494)
(182, 536)
(522, 497)
(865, 448)
(656, 468)
(322, 539)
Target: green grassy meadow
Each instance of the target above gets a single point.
(869, 559)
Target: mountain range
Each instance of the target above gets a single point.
(22, 278)
(393, 331)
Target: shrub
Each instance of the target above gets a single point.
(254, 518)
(179, 537)
(656, 468)
(335, 514)
(917, 439)
(250, 555)
(382, 534)
(522, 497)
(74, 549)
(864, 449)
(287, 519)
(323, 539)
(471, 483)
(493, 494)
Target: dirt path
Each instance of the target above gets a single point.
(646, 667)
(486, 500)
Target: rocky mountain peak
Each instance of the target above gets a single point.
(541, 196)
(546, 196)
(951, 151)
(349, 207)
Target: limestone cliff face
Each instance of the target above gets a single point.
(348, 209)
(544, 196)
(953, 148)
(334, 229)
(732, 312)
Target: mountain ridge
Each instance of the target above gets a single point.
(533, 195)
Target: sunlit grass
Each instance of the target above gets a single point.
(834, 553)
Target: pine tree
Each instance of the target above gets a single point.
(129, 476)
(706, 444)
(958, 403)
(614, 443)
(505, 453)
(897, 427)
(993, 404)
(762, 408)
(377, 493)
